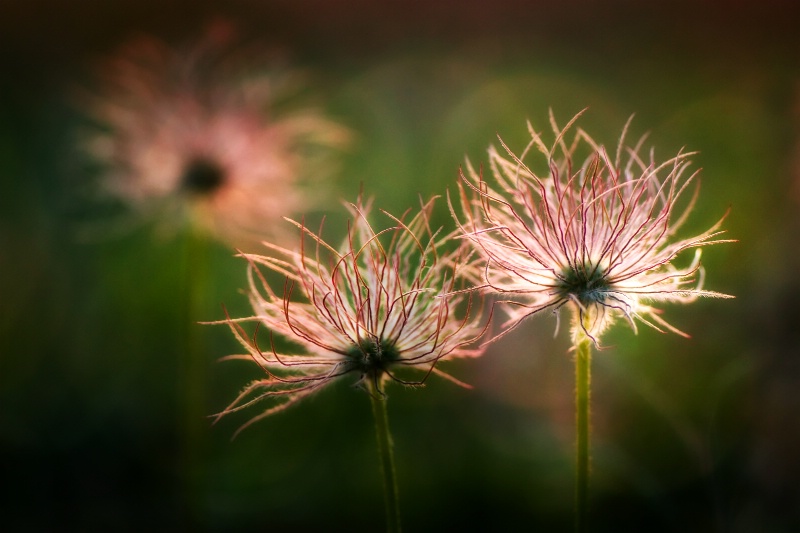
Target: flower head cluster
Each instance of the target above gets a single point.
(185, 132)
(383, 301)
(590, 230)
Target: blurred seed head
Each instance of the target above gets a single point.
(203, 135)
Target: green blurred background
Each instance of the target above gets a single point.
(689, 435)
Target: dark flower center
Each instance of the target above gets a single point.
(202, 176)
(587, 283)
(372, 356)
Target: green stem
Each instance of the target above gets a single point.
(583, 362)
(193, 374)
(387, 457)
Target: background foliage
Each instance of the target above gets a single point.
(689, 435)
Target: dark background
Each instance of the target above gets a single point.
(689, 435)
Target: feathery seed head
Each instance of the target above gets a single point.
(195, 135)
(595, 232)
(383, 301)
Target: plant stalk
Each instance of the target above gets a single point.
(386, 453)
(583, 361)
(193, 376)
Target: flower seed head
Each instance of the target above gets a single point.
(195, 136)
(595, 232)
(382, 302)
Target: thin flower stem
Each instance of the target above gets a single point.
(583, 362)
(387, 457)
(193, 373)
